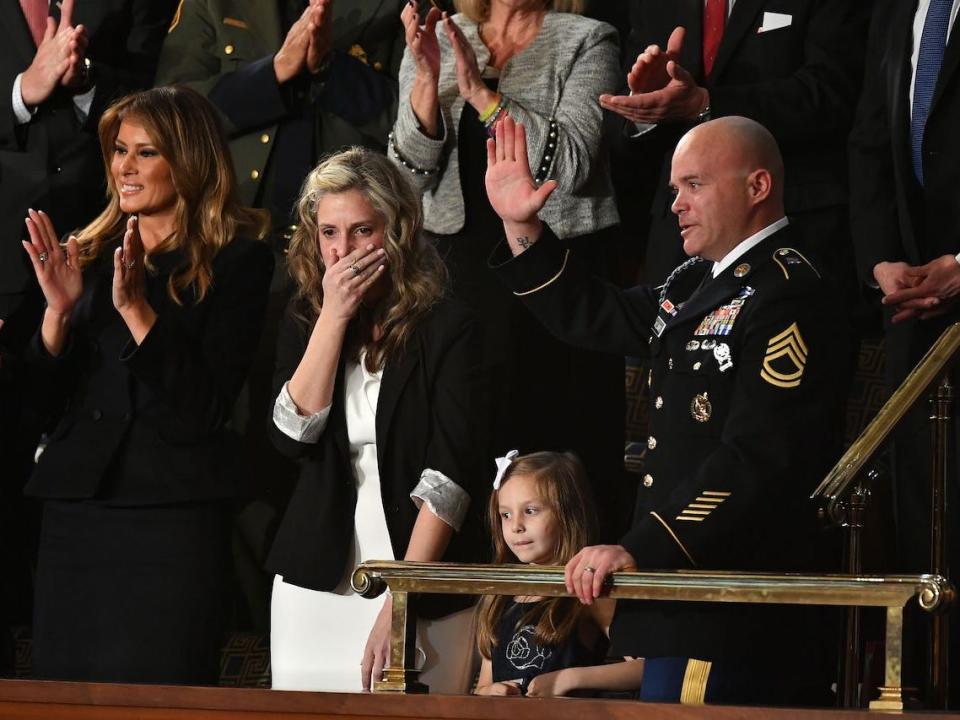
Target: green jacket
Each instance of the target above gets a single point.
(225, 48)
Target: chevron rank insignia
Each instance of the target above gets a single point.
(785, 359)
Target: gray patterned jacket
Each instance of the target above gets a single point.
(552, 86)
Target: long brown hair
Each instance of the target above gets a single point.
(187, 132)
(479, 10)
(562, 483)
(415, 273)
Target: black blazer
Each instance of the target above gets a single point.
(893, 217)
(147, 425)
(800, 81)
(53, 162)
(430, 414)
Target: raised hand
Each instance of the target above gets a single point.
(61, 50)
(513, 194)
(57, 268)
(346, 281)
(422, 40)
(321, 34)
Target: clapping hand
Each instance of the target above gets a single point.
(306, 43)
(649, 72)
(58, 60)
(129, 274)
(348, 279)
(661, 89)
(422, 40)
(513, 194)
(57, 268)
(471, 85)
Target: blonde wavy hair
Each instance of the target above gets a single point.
(562, 483)
(479, 10)
(416, 276)
(187, 133)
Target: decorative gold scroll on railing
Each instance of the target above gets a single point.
(892, 592)
(838, 483)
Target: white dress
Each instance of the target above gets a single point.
(317, 638)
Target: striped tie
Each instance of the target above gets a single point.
(932, 44)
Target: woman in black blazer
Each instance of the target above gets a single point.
(379, 396)
(153, 314)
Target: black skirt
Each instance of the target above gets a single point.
(131, 594)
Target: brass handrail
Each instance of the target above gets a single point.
(840, 480)
(892, 592)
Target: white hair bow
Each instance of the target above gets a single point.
(502, 464)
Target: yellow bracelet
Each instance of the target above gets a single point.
(491, 109)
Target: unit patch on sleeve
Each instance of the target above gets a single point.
(785, 359)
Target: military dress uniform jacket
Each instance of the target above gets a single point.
(225, 48)
(745, 383)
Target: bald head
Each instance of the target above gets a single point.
(740, 144)
(728, 178)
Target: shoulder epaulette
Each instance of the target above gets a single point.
(788, 258)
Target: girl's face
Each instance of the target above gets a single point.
(345, 222)
(529, 524)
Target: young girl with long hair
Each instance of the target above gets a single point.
(541, 512)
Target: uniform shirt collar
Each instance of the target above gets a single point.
(748, 244)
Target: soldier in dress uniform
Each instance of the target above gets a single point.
(746, 347)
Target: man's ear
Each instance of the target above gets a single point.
(759, 186)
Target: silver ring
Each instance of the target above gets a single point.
(589, 569)
(43, 257)
(131, 264)
(356, 270)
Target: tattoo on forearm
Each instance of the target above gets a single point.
(524, 242)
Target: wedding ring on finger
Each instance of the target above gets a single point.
(43, 257)
(131, 264)
(356, 270)
(589, 569)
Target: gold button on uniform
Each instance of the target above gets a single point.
(228, 50)
(651, 442)
(378, 65)
(696, 365)
(658, 403)
(255, 174)
(264, 138)
(648, 480)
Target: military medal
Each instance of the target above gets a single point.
(694, 345)
(722, 354)
(700, 408)
(708, 344)
(668, 307)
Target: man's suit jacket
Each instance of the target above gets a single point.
(146, 424)
(53, 162)
(800, 81)
(429, 415)
(745, 381)
(893, 217)
(225, 48)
